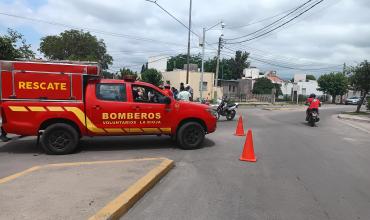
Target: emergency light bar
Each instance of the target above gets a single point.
(129, 78)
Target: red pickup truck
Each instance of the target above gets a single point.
(62, 102)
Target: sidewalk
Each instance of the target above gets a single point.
(359, 118)
(359, 122)
(82, 190)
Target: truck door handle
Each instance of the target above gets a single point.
(96, 107)
(136, 108)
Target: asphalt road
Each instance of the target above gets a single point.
(301, 172)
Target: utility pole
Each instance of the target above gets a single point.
(218, 60)
(203, 44)
(201, 75)
(189, 30)
(344, 68)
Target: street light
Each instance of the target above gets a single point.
(203, 43)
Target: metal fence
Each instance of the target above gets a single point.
(252, 98)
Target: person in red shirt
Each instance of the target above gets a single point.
(313, 104)
(167, 90)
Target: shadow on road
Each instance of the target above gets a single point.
(100, 144)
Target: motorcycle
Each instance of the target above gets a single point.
(313, 117)
(226, 109)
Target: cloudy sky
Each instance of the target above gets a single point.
(333, 32)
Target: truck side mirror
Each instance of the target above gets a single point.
(167, 100)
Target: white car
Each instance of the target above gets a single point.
(354, 100)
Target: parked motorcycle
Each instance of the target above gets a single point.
(227, 109)
(313, 117)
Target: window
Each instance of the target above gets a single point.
(146, 94)
(303, 91)
(233, 88)
(111, 92)
(229, 88)
(205, 86)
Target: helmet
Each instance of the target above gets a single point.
(312, 95)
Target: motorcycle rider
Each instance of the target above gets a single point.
(313, 104)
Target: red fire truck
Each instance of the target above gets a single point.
(62, 102)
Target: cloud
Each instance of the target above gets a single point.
(334, 32)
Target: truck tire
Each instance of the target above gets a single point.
(59, 138)
(190, 135)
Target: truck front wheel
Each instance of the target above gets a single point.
(59, 139)
(190, 135)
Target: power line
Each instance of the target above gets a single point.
(279, 58)
(132, 37)
(262, 20)
(276, 21)
(173, 16)
(281, 25)
(302, 18)
(282, 64)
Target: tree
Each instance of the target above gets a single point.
(76, 45)
(152, 76)
(124, 72)
(231, 68)
(178, 61)
(263, 86)
(360, 80)
(310, 77)
(239, 63)
(144, 67)
(13, 46)
(333, 84)
(278, 89)
(107, 75)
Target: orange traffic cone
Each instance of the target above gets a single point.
(239, 128)
(248, 151)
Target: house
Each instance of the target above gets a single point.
(305, 87)
(158, 62)
(174, 78)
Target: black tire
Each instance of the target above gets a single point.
(231, 116)
(190, 135)
(312, 122)
(59, 139)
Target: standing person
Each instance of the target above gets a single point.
(184, 95)
(167, 90)
(182, 87)
(190, 90)
(175, 92)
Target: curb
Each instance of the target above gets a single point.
(341, 116)
(348, 123)
(121, 204)
(282, 109)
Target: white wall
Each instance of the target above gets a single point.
(158, 62)
(251, 73)
(299, 77)
(178, 76)
(305, 88)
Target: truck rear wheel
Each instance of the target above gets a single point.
(59, 139)
(190, 135)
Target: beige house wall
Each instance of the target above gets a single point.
(178, 76)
